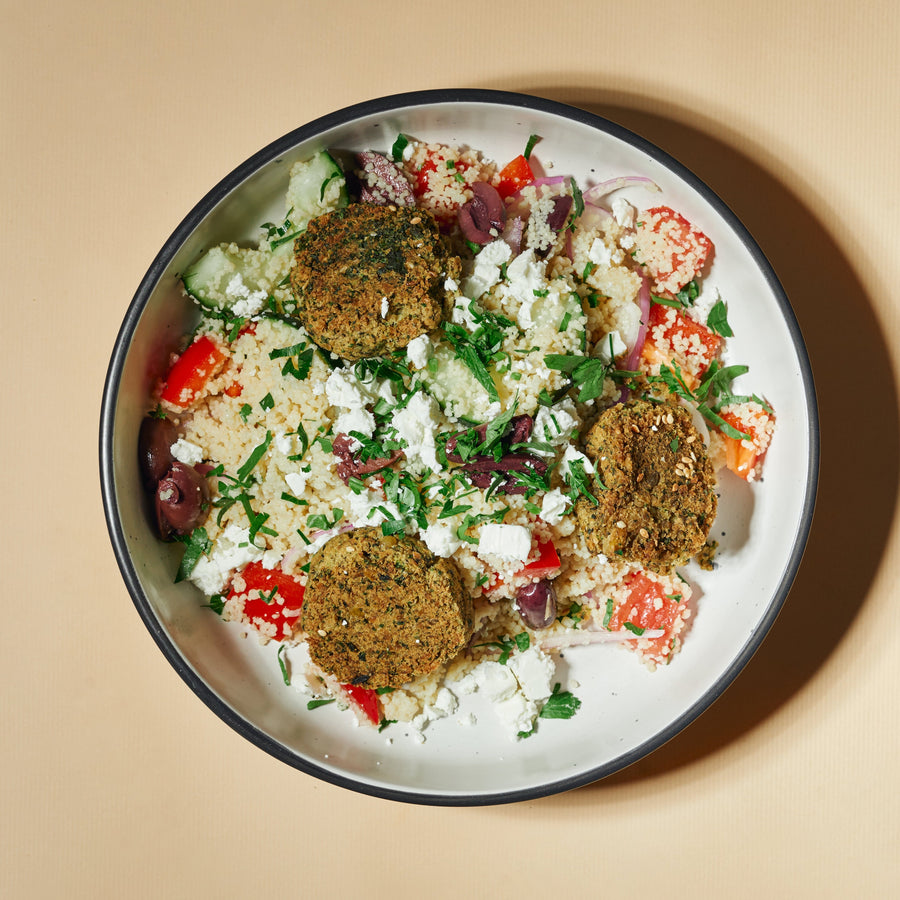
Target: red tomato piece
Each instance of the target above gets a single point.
(514, 176)
(746, 461)
(366, 699)
(436, 164)
(192, 371)
(650, 608)
(673, 337)
(546, 563)
(671, 248)
(273, 597)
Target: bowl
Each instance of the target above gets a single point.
(627, 711)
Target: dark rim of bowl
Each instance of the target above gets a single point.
(155, 272)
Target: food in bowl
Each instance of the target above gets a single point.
(445, 420)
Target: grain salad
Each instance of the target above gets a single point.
(447, 420)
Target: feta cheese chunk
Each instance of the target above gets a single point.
(487, 269)
(186, 452)
(231, 551)
(416, 424)
(441, 540)
(418, 351)
(509, 542)
(553, 506)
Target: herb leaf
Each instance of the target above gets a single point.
(560, 705)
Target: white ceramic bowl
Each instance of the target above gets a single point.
(627, 711)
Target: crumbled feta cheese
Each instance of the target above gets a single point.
(555, 424)
(186, 452)
(535, 671)
(369, 507)
(612, 340)
(517, 714)
(284, 443)
(600, 254)
(623, 212)
(554, 506)
(486, 272)
(344, 389)
(462, 314)
(418, 351)
(441, 540)
(416, 424)
(509, 542)
(495, 681)
(570, 456)
(231, 551)
(296, 481)
(360, 420)
(245, 303)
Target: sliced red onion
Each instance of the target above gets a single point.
(594, 193)
(577, 637)
(634, 355)
(513, 234)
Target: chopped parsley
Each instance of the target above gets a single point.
(399, 145)
(196, 544)
(508, 645)
(717, 320)
(587, 373)
(560, 705)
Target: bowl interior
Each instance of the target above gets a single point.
(627, 711)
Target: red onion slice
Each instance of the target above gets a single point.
(594, 193)
(634, 354)
(583, 638)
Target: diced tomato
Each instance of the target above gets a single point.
(192, 371)
(671, 248)
(648, 607)
(514, 176)
(366, 699)
(234, 389)
(674, 337)
(546, 563)
(432, 164)
(745, 461)
(261, 605)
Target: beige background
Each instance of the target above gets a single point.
(116, 781)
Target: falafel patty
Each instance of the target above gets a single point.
(368, 279)
(660, 499)
(383, 610)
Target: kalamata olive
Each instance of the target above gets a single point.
(560, 212)
(154, 454)
(482, 218)
(536, 603)
(351, 464)
(181, 499)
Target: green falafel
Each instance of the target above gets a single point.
(659, 500)
(380, 610)
(368, 279)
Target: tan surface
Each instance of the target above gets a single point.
(116, 781)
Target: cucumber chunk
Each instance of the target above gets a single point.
(316, 186)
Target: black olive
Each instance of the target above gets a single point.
(154, 454)
(536, 603)
(181, 500)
